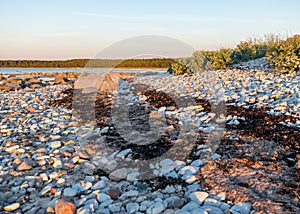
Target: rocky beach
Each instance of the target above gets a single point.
(226, 141)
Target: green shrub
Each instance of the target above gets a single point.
(249, 50)
(219, 59)
(196, 63)
(284, 55)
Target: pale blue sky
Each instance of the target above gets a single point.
(63, 29)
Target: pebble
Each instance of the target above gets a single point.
(212, 210)
(189, 206)
(133, 176)
(176, 203)
(70, 192)
(242, 208)
(99, 185)
(55, 144)
(132, 207)
(123, 153)
(114, 193)
(197, 163)
(119, 174)
(198, 211)
(198, 197)
(155, 208)
(24, 166)
(188, 170)
(12, 207)
(130, 193)
(57, 164)
(65, 206)
(103, 197)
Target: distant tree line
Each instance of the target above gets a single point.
(89, 63)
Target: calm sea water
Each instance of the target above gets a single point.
(51, 70)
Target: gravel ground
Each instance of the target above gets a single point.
(227, 142)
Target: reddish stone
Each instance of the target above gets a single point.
(24, 166)
(65, 206)
(31, 109)
(114, 193)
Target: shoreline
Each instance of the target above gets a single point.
(123, 68)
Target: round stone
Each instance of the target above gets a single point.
(70, 192)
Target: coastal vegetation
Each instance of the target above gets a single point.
(283, 54)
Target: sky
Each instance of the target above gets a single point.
(66, 29)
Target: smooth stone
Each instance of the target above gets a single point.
(70, 192)
(167, 166)
(190, 179)
(224, 206)
(197, 163)
(222, 196)
(169, 189)
(86, 186)
(147, 203)
(189, 206)
(133, 176)
(189, 170)
(106, 203)
(24, 166)
(12, 149)
(80, 202)
(123, 153)
(99, 185)
(182, 212)
(243, 208)
(155, 208)
(57, 164)
(12, 207)
(129, 194)
(198, 211)
(92, 204)
(44, 176)
(198, 197)
(114, 193)
(212, 202)
(84, 210)
(172, 174)
(132, 207)
(119, 174)
(103, 197)
(177, 203)
(143, 208)
(55, 144)
(89, 178)
(114, 208)
(46, 189)
(212, 210)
